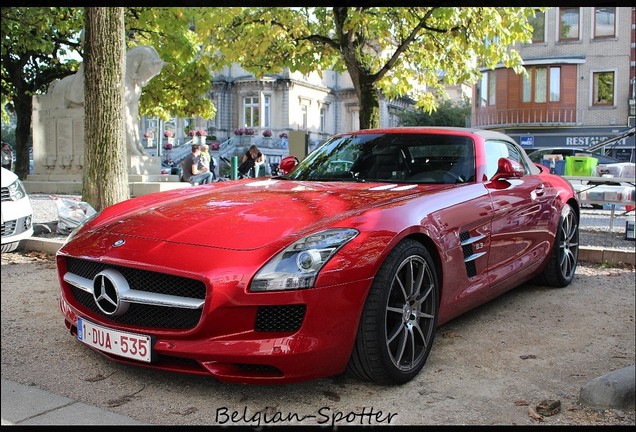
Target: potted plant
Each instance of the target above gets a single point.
(267, 133)
(239, 131)
(282, 135)
(249, 131)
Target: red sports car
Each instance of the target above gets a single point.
(347, 263)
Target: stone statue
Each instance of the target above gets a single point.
(142, 64)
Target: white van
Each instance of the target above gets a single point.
(17, 213)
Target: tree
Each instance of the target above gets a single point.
(448, 113)
(36, 47)
(34, 43)
(105, 179)
(397, 51)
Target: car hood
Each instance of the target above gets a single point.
(246, 215)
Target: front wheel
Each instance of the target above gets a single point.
(398, 322)
(563, 260)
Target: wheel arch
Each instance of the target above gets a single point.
(432, 249)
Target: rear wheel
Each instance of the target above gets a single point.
(398, 323)
(563, 260)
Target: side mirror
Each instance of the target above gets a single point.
(288, 164)
(507, 169)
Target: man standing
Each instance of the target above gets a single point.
(193, 172)
(7, 156)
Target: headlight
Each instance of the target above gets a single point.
(80, 226)
(297, 266)
(16, 190)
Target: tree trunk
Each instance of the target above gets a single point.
(369, 106)
(105, 179)
(23, 107)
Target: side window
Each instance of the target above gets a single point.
(515, 154)
(498, 149)
(494, 151)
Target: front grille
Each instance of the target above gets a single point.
(8, 228)
(286, 318)
(142, 280)
(245, 367)
(5, 196)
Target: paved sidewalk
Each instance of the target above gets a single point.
(24, 405)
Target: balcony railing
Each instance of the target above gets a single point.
(524, 117)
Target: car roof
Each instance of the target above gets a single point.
(486, 134)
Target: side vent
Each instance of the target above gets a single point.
(469, 256)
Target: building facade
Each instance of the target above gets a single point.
(321, 105)
(580, 87)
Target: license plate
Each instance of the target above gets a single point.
(124, 344)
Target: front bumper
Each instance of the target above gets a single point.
(265, 338)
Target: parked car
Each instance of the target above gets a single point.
(17, 214)
(537, 155)
(350, 261)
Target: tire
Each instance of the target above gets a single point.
(563, 260)
(398, 322)
(9, 247)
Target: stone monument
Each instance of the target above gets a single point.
(58, 127)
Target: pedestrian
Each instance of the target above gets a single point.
(193, 171)
(207, 160)
(251, 162)
(7, 156)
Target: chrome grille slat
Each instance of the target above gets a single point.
(157, 300)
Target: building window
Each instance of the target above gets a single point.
(527, 87)
(540, 84)
(604, 22)
(355, 119)
(251, 112)
(491, 88)
(603, 88)
(482, 91)
(303, 109)
(537, 79)
(267, 111)
(323, 115)
(538, 26)
(569, 23)
(555, 84)
(486, 89)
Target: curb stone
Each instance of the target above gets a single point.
(615, 389)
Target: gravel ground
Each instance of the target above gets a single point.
(595, 224)
(491, 366)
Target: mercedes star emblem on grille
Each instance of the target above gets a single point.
(108, 286)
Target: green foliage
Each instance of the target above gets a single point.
(36, 44)
(398, 51)
(182, 87)
(8, 134)
(448, 113)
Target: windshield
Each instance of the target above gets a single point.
(405, 158)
